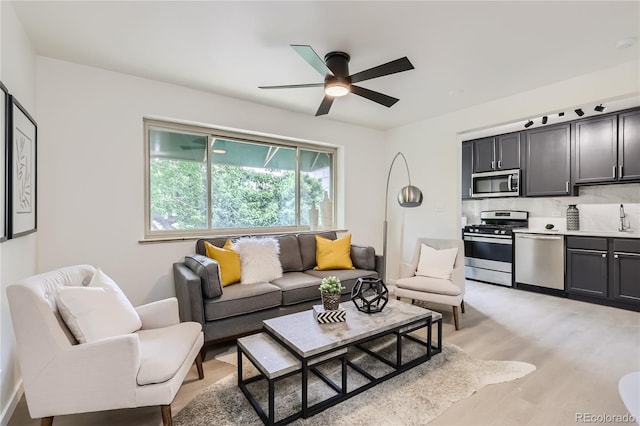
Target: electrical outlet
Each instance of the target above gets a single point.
(556, 213)
(439, 206)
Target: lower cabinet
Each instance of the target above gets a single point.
(626, 271)
(604, 269)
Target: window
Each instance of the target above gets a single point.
(202, 180)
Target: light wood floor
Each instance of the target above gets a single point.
(580, 351)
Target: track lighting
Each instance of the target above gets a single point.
(579, 112)
(544, 120)
(561, 114)
(599, 108)
(529, 124)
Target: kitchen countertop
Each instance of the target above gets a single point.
(605, 234)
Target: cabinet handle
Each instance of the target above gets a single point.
(493, 165)
(620, 171)
(614, 172)
(566, 187)
(604, 255)
(499, 164)
(469, 192)
(615, 256)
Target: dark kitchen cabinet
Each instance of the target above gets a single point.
(604, 270)
(467, 167)
(629, 146)
(626, 270)
(547, 151)
(607, 148)
(595, 144)
(497, 153)
(587, 266)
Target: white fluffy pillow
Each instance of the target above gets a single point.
(436, 263)
(259, 258)
(97, 311)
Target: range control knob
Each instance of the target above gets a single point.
(503, 232)
(496, 232)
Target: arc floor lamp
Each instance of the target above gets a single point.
(409, 196)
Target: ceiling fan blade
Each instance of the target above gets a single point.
(378, 97)
(325, 105)
(399, 65)
(311, 57)
(292, 86)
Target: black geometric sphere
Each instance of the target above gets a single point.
(370, 295)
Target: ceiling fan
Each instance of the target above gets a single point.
(338, 82)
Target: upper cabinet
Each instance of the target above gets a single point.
(595, 144)
(548, 161)
(629, 146)
(496, 153)
(607, 148)
(467, 167)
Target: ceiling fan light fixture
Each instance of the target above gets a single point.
(336, 89)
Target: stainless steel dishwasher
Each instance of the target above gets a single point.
(540, 260)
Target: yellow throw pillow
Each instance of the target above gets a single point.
(333, 254)
(228, 262)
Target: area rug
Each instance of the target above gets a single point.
(414, 397)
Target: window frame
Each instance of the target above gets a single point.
(212, 133)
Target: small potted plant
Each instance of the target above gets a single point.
(330, 289)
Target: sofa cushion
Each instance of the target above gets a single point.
(298, 287)
(348, 277)
(432, 285)
(308, 247)
(164, 350)
(363, 257)
(290, 257)
(97, 311)
(207, 270)
(242, 299)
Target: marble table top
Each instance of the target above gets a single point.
(303, 334)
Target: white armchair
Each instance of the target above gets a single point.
(60, 376)
(436, 290)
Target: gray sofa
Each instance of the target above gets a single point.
(236, 310)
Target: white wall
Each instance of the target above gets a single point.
(434, 150)
(92, 168)
(17, 257)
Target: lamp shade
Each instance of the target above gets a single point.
(410, 196)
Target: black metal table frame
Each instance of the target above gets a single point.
(341, 391)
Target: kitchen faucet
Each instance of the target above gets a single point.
(623, 227)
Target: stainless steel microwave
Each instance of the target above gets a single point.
(502, 183)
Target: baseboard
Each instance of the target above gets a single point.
(11, 406)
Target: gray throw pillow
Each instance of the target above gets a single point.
(207, 269)
(308, 247)
(363, 257)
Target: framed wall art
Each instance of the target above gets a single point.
(4, 132)
(22, 171)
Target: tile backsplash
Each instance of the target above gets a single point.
(599, 207)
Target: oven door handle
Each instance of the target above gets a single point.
(491, 240)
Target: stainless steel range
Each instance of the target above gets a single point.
(489, 246)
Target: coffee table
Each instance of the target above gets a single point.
(296, 343)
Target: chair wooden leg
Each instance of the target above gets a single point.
(455, 317)
(462, 306)
(46, 421)
(166, 415)
(199, 366)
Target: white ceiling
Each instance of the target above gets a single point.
(465, 53)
